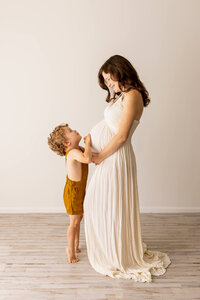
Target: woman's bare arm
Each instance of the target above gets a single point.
(130, 110)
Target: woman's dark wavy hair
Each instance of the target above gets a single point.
(121, 70)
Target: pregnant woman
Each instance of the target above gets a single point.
(111, 206)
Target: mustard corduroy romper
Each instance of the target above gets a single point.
(74, 191)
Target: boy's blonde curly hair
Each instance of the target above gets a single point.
(56, 139)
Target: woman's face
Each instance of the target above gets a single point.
(110, 82)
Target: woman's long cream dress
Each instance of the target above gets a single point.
(111, 209)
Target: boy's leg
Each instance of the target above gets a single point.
(74, 223)
(77, 236)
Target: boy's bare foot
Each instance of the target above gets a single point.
(71, 256)
(78, 250)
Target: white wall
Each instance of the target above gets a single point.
(50, 54)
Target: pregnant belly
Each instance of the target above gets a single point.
(100, 136)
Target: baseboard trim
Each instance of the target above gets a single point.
(145, 209)
(170, 209)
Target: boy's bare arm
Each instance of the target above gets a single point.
(88, 152)
(85, 157)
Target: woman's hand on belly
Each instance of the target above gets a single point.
(96, 158)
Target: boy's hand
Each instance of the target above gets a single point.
(87, 139)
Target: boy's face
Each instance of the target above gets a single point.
(72, 136)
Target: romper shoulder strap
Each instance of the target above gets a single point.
(68, 152)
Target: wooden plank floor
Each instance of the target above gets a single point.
(33, 262)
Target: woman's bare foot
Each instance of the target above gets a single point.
(78, 250)
(71, 256)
